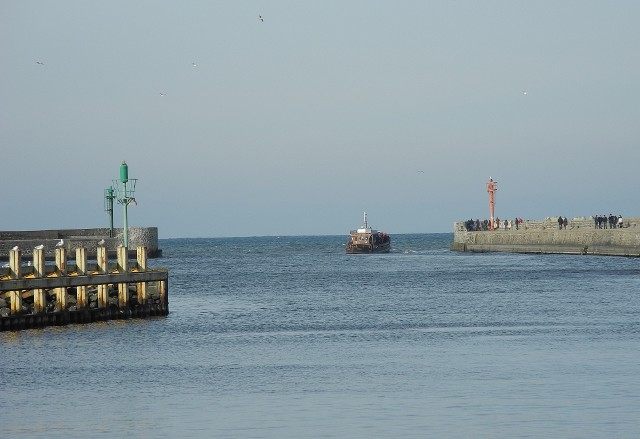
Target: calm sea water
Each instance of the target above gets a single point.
(289, 337)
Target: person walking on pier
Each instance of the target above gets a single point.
(560, 223)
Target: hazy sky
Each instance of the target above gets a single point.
(297, 124)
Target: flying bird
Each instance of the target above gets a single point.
(60, 243)
(101, 242)
(525, 92)
(40, 63)
(194, 64)
(260, 18)
(162, 94)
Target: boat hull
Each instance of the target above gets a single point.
(366, 249)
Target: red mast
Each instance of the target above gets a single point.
(492, 186)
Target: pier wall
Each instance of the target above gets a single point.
(79, 238)
(580, 237)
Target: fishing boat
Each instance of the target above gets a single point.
(367, 240)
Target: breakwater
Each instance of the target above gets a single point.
(73, 239)
(37, 294)
(579, 237)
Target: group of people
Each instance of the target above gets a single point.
(563, 222)
(602, 221)
(478, 226)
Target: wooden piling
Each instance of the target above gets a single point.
(141, 253)
(39, 298)
(15, 268)
(81, 270)
(123, 289)
(163, 293)
(102, 268)
(61, 270)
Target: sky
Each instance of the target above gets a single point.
(298, 123)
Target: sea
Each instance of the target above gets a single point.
(289, 337)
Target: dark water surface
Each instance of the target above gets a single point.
(290, 337)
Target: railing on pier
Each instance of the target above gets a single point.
(40, 295)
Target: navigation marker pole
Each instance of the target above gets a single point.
(125, 196)
(492, 186)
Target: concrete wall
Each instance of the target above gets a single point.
(74, 238)
(580, 237)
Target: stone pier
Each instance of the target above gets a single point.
(581, 237)
(79, 238)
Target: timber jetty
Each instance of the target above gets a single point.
(36, 294)
(580, 237)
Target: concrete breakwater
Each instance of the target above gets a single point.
(79, 238)
(580, 237)
(39, 294)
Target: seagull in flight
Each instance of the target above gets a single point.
(162, 94)
(60, 243)
(194, 64)
(40, 63)
(260, 18)
(525, 92)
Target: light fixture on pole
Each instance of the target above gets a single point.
(108, 207)
(125, 196)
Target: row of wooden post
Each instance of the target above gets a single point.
(39, 297)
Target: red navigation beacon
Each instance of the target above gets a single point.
(492, 186)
